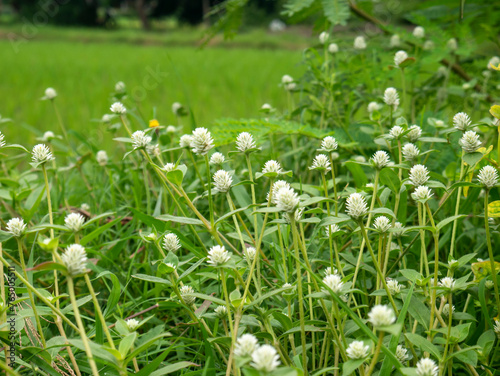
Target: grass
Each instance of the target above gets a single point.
(216, 82)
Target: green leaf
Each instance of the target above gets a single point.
(173, 367)
(448, 220)
(357, 172)
(351, 365)
(126, 344)
(420, 312)
(175, 177)
(390, 179)
(472, 158)
(336, 11)
(424, 344)
(151, 278)
(184, 220)
(384, 211)
(48, 265)
(209, 298)
(494, 209)
(495, 111)
(99, 230)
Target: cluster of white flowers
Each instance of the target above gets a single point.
(74, 221)
(427, 367)
(452, 44)
(419, 175)
(16, 227)
(356, 206)
(391, 97)
(41, 154)
(359, 43)
(399, 229)
(357, 350)
(322, 163)
(324, 37)
(380, 159)
(334, 282)
(272, 166)
(287, 200)
(245, 345)
(399, 57)
(217, 158)
(177, 108)
(171, 242)
(446, 310)
(102, 158)
(118, 108)
(75, 259)
(50, 93)
(132, 324)
(470, 142)
(422, 193)
(169, 167)
(488, 176)
(496, 328)
(140, 139)
(287, 82)
(393, 286)
(187, 294)
(244, 142)
(265, 358)
(381, 315)
(222, 181)
(410, 151)
(333, 48)
(329, 144)
(373, 106)
(201, 141)
(382, 224)
(277, 185)
(218, 255)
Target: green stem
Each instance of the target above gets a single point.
(332, 170)
(210, 198)
(457, 207)
(376, 354)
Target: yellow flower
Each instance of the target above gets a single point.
(154, 123)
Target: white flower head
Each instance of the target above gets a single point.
(470, 142)
(75, 259)
(422, 193)
(391, 97)
(171, 242)
(244, 142)
(140, 139)
(419, 175)
(399, 229)
(41, 154)
(395, 41)
(331, 229)
(334, 282)
(273, 167)
(106, 118)
(47, 136)
(396, 132)
(414, 133)
(322, 163)
(217, 158)
(16, 227)
(120, 87)
(382, 223)
(85, 207)
(461, 121)
(359, 43)
(356, 206)
(220, 311)
(288, 82)
(245, 345)
(185, 141)
(324, 37)
(297, 215)
(202, 141)
(493, 62)
(177, 108)
(218, 255)
(118, 108)
(488, 176)
(447, 282)
(402, 354)
(50, 93)
(373, 106)
(266, 107)
(74, 221)
(419, 32)
(287, 200)
(446, 310)
(132, 324)
(329, 144)
(452, 44)
(380, 159)
(171, 129)
(250, 253)
(399, 57)
(265, 358)
(410, 151)
(496, 328)
(393, 286)
(222, 181)
(428, 45)
(333, 48)
(169, 167)
(277, 185)
(330, 270)
(357, 350)
(2, 139)
(381, 315)
(427, 367)
(186, 294)
(102, 158)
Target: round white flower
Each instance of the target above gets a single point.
(277, 185)
(323, 37)
(419, 32)
(297, 215)
(382, 223)
(461, 121)
(177, 108)
(171, 242)
(356, 206)
(47, 136)
(218, 255)
(402, 354)
(118, 108)
(393, 286)
(419, 175)
(217, 158)
(85, 207)
(265, 358)
(2, 139)
(334, 282)
(266, 107)
(399, 229)
(250, 253)
(244, 142)
(446, 310)
(132, 324)
(391, 97)
(410, 151)
(74, 221)
(321, 162)
(396, 132)
(333, 48)
(470, 142)
(373, 106)
(422, 193)
(272, 166)
(493, 62)
(381, 315)
(496, 328)
(16, 227)
(245, 345)
(41, 154)
(222, 181)
(102, 158)
(488, 176)
(329, 144)
(202, 141)
(50, 93)
(287, 200)
(395, 41)
(185, 141)
(414, 133)
(287, 82)
(357, 350)
(428, 45)
(399, 57)
(186, 294)
(359, 43)
(140, 139)
(169, 167)
(452, 44)
(447, 282)
(331, 229)
(220, 311)
(119, 87)
(380, 159)
(427, 367)
(75, 259)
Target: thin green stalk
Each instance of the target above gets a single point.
(59, 119)
(442, 364)
(436, 265)
(376, 354)
(83, 334)
(210, 198)
(457, 207)
(332, 170)
(490, 251)
(228, 306)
